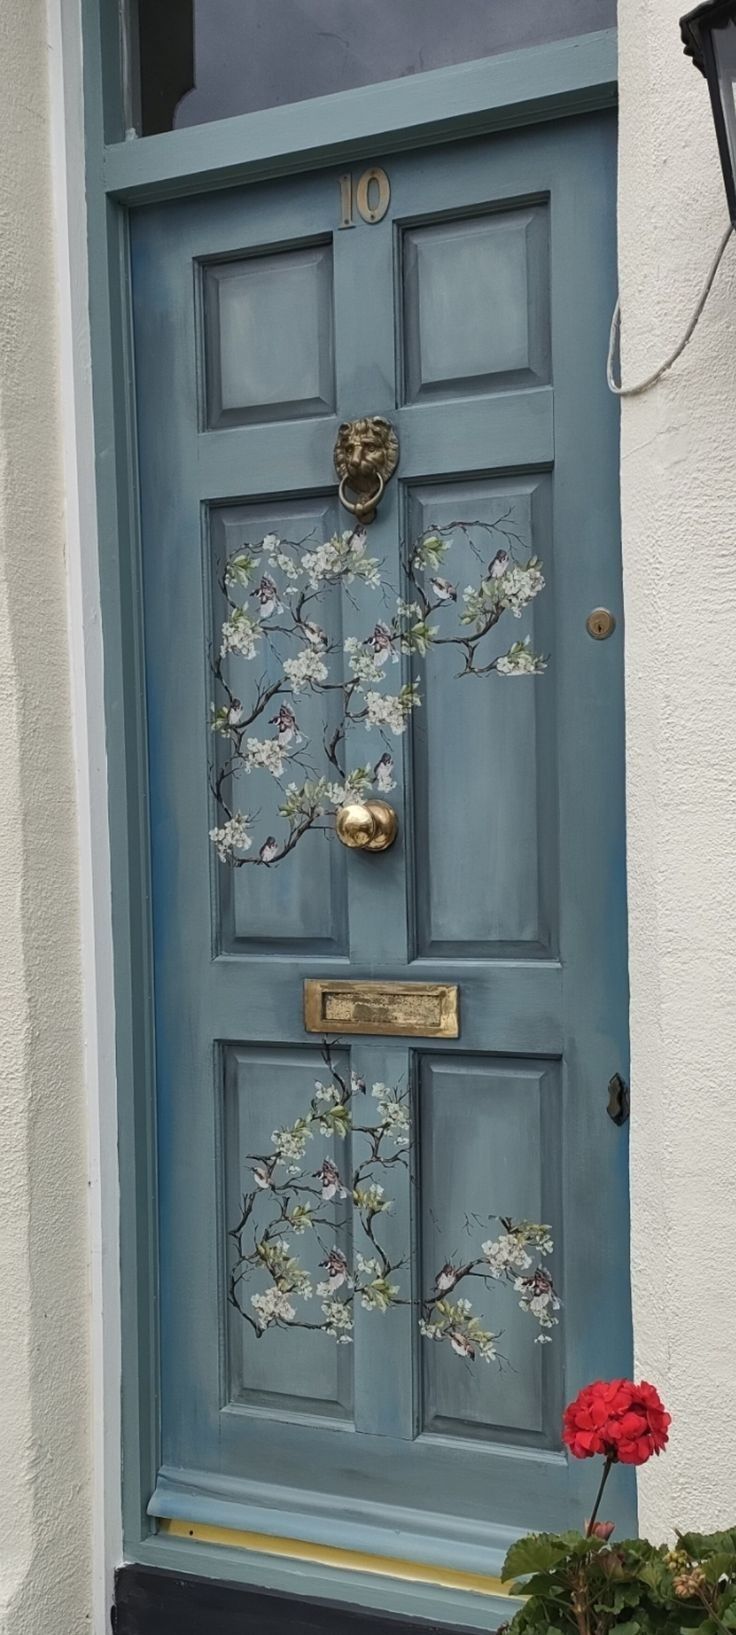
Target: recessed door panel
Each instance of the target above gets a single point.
(262, 1089)
(490, 1148)
(503, 818)
(268, 909)
(476, 303)
(269, 337)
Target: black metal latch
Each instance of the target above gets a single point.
(619, 1099)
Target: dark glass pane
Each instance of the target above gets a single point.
(207, 59)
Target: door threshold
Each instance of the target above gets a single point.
(325, 1555)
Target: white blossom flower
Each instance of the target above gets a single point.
(354, 787)
(521, 661)
(339, 1320)
(364, 664)
(505, 1254)
(326, 1092)
(367, 1265)
(394, 1114)
(241, 634)
(233, 836)
(341, 557)
(519, 585)
(267, 753)
(291, 1142)
(271, 1307)
(289, 568)
(304, 670)
(392, 711)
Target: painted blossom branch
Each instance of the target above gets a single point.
(509, 1259)
(262, 1235)
(286, 1202)
(272, 593)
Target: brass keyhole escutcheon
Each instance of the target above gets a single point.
(600, 624)
(370, 826)
(366, 456)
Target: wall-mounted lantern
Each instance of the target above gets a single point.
(709, 37)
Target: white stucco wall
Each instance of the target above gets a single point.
(44, 1314)
(679, 535)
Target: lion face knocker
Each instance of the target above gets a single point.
(366, 456)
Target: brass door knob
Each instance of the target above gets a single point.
(371, 827)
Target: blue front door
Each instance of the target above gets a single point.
(386, 1256)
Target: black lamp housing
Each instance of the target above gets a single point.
(709, 37)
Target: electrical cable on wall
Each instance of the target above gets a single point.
(651, 380)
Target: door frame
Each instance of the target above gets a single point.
(99, 176)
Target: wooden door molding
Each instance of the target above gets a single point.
(497, 93)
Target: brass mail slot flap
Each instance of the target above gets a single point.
(427, 1009)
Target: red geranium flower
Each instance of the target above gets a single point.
(624, 1422)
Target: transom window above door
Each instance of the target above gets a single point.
(202, 60)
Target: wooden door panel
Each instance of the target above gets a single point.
(269, 337)
(264, 1087)
(473, 317)
(267, 910)
(504, 902)
(476, 303)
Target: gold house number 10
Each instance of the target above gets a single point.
(372, 197)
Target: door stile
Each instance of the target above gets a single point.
(385, 1388)
(591, 811)
(364, 351)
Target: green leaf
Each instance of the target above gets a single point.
(699, 1545)
(536, 1554)
(722, 1564)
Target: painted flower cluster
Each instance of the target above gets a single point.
(298, 1188)
(278, 596)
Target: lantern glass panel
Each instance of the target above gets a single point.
(724, 53)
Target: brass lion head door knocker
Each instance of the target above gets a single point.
(366, 456)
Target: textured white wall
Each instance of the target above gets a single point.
(679, 535)
(44, 1397)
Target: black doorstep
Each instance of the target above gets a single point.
(149, 1601)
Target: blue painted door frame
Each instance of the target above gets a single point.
(528, 86)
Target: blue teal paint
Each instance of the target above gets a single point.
(517, 88)
(528, 87)
(517, 791)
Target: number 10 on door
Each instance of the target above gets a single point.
(371, 197)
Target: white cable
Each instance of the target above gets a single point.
(651, 380)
